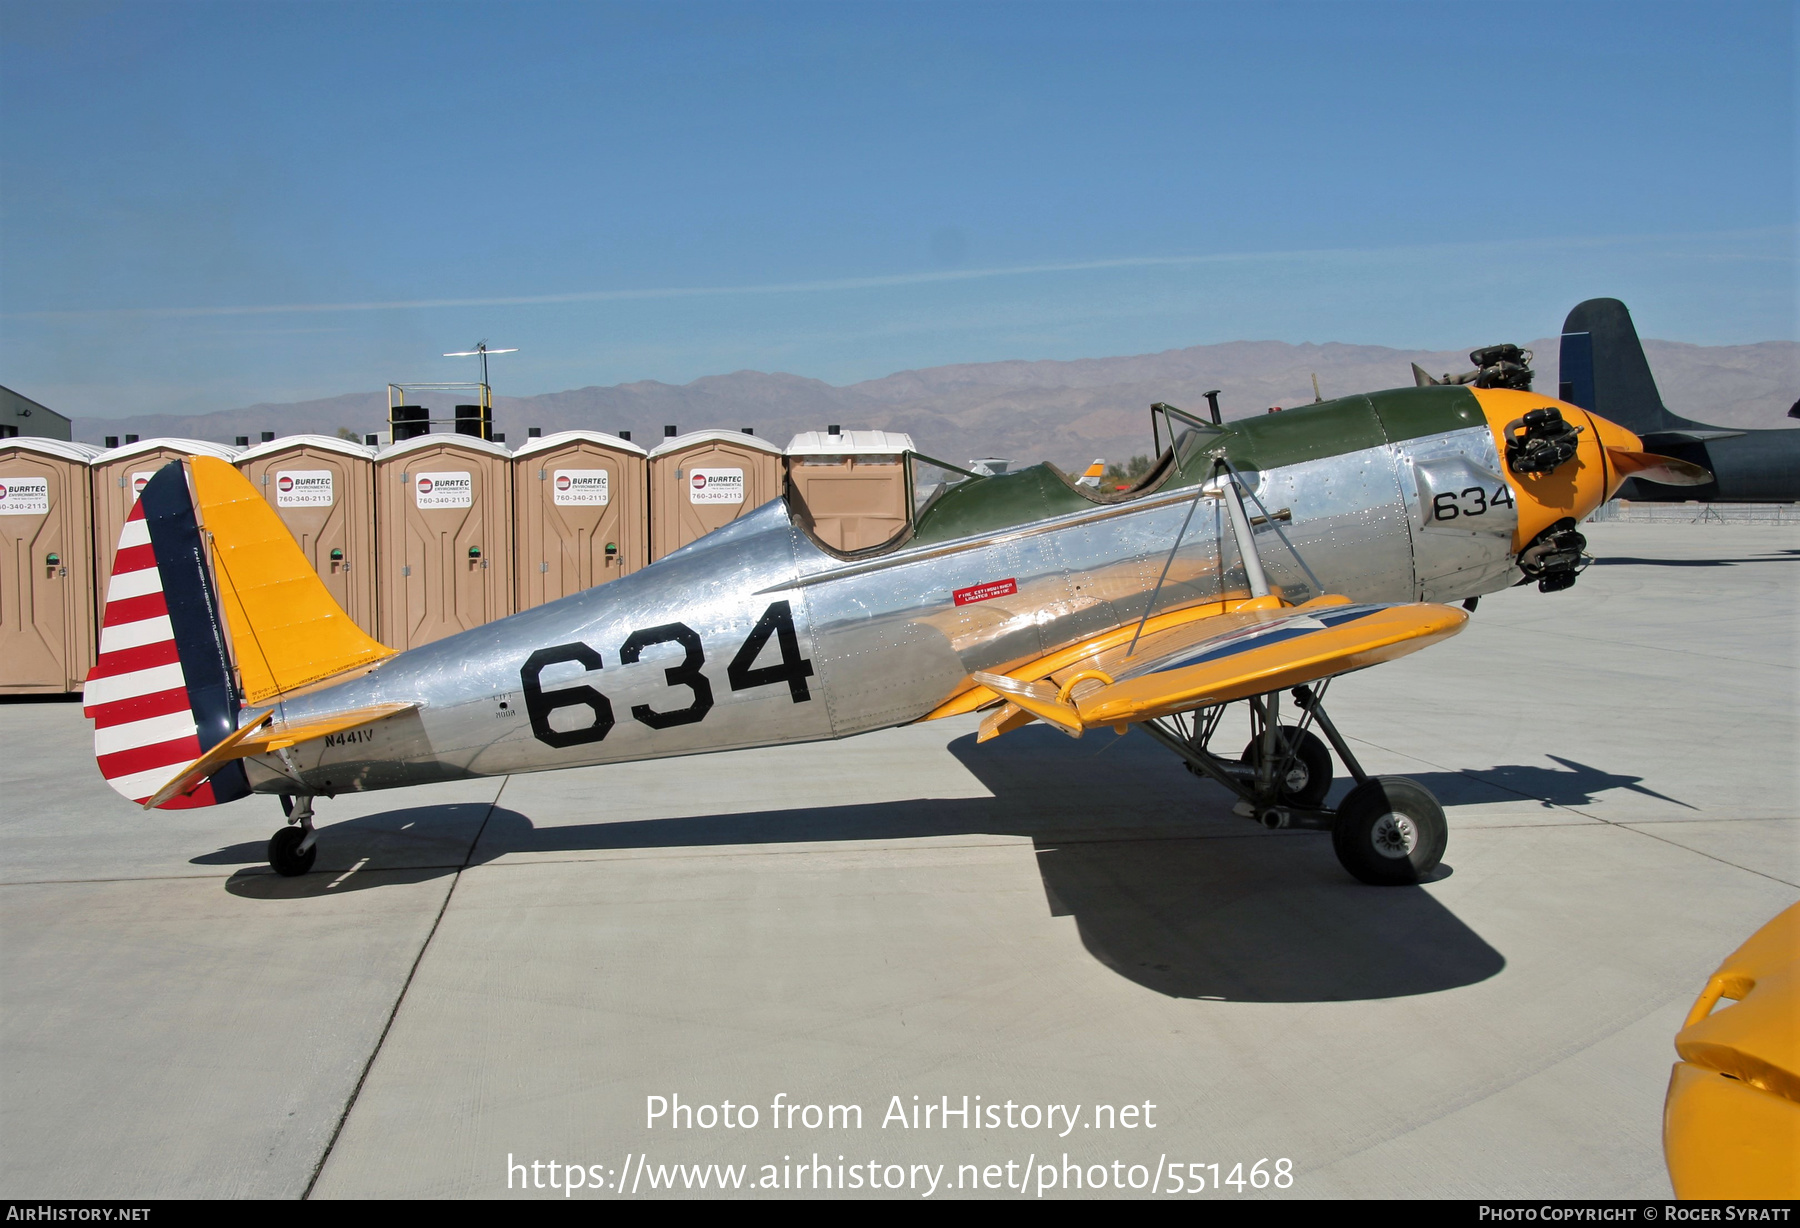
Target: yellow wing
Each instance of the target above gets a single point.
(1258, 647)
(1065, 661)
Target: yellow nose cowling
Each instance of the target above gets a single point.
(1573, 489)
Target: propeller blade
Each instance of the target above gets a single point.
(1663, 470)
(1421, 377)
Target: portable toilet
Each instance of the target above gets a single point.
(581, 514)
(443, 525)
(118, 475)
(704, 480)
(850, 486)
(324, 491)
(47, 574)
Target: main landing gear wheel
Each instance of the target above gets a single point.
(1390, 831)
(285, 857)
(1308, 777)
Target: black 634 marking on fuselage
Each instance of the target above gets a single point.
(349, 737)
(539, 706)
(1472, 501)
(686, 674)
(777, 622)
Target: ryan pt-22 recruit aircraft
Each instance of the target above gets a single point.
(1258, 557)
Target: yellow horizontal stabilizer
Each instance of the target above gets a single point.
(261, 735)
(286, 631)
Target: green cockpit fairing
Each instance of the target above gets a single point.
(1294, 436)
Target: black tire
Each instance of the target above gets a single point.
(285, 857)
(1390, 832)
(1309, 779)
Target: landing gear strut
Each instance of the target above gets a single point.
(1388, 831)
(293, 849)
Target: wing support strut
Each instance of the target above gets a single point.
(1240, 529)
(1274, 523)
(1232, 489)
(1169, 562)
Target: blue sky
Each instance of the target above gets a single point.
(205, 204)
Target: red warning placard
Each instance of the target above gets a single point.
(985, 592)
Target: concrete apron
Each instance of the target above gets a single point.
(1036, 920)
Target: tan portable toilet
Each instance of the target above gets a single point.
(581, 514)
(850, 486)
(704, 480)
(47, 574)
(324, 491)
(443, 524)
(118, 475)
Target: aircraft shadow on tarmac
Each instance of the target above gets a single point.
(1166, 887)
(1573, 784)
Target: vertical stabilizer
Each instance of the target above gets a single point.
(162, 691)
(211, 606)
(1603, 368)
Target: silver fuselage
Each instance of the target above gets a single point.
(881, 641)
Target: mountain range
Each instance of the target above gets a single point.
(1065, 411)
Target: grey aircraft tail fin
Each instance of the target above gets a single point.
(1604, 369)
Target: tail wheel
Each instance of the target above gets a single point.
(1308, 777)
(285, 857)
(1390, 831)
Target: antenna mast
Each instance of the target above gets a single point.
(408, 421)
(481, 348)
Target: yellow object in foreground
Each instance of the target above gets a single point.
(1731, 1122)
